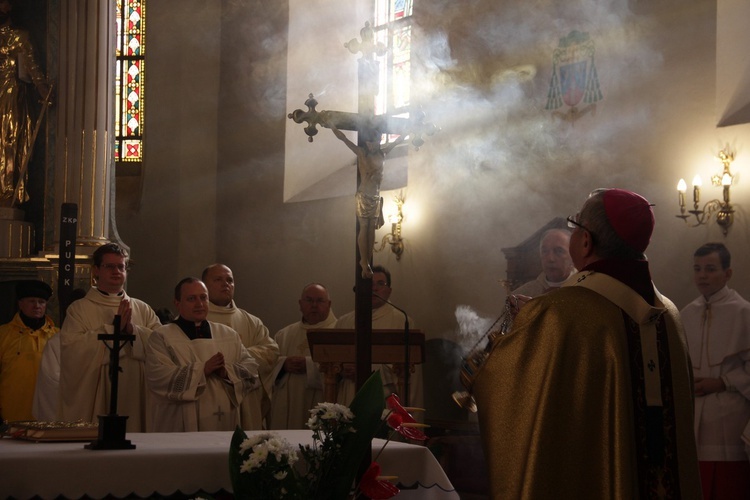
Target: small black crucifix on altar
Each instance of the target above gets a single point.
(112, 426)
(370, 158)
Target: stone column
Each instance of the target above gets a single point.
(84, 161)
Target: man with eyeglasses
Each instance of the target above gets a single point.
(297, 383)
(589, 395)
(384, 317)
(254, 335)
(84, 359)
(557, 265)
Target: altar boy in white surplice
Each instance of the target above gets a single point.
(198, 371)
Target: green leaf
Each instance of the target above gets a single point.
(367, 406)
(240, 482)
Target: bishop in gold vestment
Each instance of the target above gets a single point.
(589, 396)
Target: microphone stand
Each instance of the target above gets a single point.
(407, 359)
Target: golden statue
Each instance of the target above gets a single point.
(18, 68)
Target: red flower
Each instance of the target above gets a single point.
(402, 421)
(375, 488)
(394, 404)
(394, 420)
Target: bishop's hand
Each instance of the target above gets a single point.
(518, 303)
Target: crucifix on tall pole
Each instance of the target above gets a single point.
(370, 159)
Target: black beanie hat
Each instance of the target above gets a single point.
(33, 288)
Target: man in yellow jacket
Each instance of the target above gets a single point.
(21, 344)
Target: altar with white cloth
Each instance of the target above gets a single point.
(167, 463)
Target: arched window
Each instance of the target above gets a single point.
(129, 84)
(393, 23)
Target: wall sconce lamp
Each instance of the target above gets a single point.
(394, 237)
(722, 208)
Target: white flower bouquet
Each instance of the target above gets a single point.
(266, 466)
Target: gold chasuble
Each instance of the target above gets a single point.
(569, 406)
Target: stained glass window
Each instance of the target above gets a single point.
(129, 83)
(393, 23)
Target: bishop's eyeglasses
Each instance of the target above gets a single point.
(573, 222)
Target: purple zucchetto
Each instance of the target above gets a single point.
(631, 217)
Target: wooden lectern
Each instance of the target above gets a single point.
(333, 347)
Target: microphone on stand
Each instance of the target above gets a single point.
(406, 346)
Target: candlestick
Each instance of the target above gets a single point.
(697, 190)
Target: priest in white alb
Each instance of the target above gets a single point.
(384, 317)
(219, 281)
(84, 359)
(296, 381)
(198, 371)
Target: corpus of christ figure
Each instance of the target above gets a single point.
(370, 170)
(370, 159)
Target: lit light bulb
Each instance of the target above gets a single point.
(681, 188)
